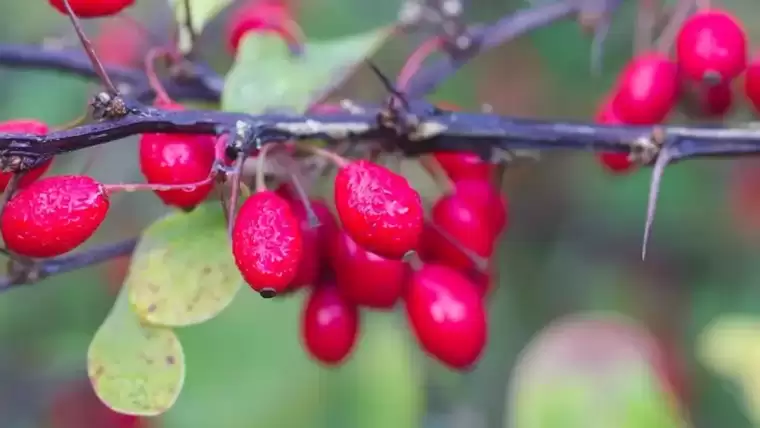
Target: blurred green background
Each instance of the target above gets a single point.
(573, 245)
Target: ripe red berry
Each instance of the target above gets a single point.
(54, 215)
(752, 83)
(712, 45)
(328, 227)
(310, 265)
(378, 208)
(267, 243)
(365, 278)
(482, 195)
(703, 101)
(614, 162)
(178, 159)
(464, 166)
(460, 226)
(447, 315)
(25, 126)
(93, 8)
(329, 325)
(258, 16)
(647, 90)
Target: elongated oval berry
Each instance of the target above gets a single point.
(464, 166)
(702, 101)
(482, 195)
(613, 162)
(54, 215)
(267, 243)
(378, 208)
(447, 315)
(365, 278)
(178, 159)
(329, 325)
(93, 8)
(712, 45)
(647, 89)
(25, 126)
(258, 16)
(460, 226)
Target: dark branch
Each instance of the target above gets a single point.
(421, 129)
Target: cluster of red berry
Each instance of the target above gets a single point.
(710, 54)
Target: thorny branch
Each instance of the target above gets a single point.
(419, 129)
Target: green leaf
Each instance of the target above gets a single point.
(182, 271)
(266, 75)
(581, 361)
(135, 369)
(201, 12)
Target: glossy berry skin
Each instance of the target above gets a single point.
(463, 222)
(647, 90)
(258, 16)
(178, 159)
(329, 325)
(365, 278)
(54, 215)
(25, 126)
(617, 163)
(752, 83)
(93, 8)
(378, 209)
(711, 45)
(447, 315)
(464, 166)
(482, 195)
(267, 243)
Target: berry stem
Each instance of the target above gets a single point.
(303, 196)
(415, 61)
(337, 159)
(645, 23)
(150, 70)
(413, 260)
(114, 188)
(260, 167)
(235, 192)
(436, 172)
(481, 264)
(668, 35)
(90, 50)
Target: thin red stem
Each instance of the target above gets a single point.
(150, 70)
(138, 187)
(416, 59)
(668, 35)
(337, 159)
(261, 184)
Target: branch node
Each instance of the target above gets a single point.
(107, 106)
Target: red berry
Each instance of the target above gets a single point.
(93, 8)
(267, 243)
(483, 196)
(25, 126)
(647, 90)
(309, 267)
(712, 45)
(54, 215)
(614, 162)
(330, 325)
(703, 101)
(463, 227)
(328, 227)
(378, 208)
(364, 277)
(464, 166)
(119, 43)
(447, 315)
(752, 83)
(258, 16)
(178, 159)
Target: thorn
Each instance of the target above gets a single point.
(87, 45)
(389, 85)
(662, 161)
